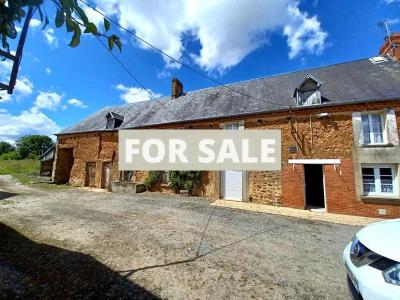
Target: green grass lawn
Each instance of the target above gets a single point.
(25, 166)
(26, 171)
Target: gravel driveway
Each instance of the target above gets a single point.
(82, 244)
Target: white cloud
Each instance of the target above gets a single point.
(50, 38)
(134, 94)
(48, 33)
(5, 67)
(3, 110)
(94, 17)
(77, 103)
(35, 23)
(48, 100)
(30, 121)
(227, 30)
(304, 34)
(23, 86)
(163, 74)
(47, 70)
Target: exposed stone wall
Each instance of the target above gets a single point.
(265, 187)
(98, 148)
(316, 138)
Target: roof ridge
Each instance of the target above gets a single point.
(278, 75)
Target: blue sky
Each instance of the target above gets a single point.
(228, 40)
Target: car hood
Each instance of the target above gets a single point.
(383, 238)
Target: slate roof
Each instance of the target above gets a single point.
(344, 83)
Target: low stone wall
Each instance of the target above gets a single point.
(127, 187)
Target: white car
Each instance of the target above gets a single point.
(372, 261)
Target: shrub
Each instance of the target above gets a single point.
(9, 155)
(185, 180)
(152, 178)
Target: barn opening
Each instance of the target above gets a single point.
(65, 162)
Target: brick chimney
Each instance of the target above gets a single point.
(177, 88)
(391, 48)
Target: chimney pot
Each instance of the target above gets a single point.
(391, 48)
(177, 88)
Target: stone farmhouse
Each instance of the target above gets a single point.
(340, 138)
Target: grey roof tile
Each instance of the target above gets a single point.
(343, 83)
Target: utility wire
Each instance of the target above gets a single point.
(177, 60)
(137, 80)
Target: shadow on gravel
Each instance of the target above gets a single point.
(5, 195)
(29, 270)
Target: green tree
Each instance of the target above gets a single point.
(69, 14)
(30, 146)
(6, 147)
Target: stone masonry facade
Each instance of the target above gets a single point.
(315, 138)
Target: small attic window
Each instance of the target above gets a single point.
(308, 91)
(114, 120)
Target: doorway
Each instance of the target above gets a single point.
(314, 186)
(231, 185)
(106, 177)
(65, 162)
(90, 178)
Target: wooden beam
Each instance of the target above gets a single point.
(7, 55)
(4, 87)
(20, 48)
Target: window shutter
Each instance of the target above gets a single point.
(357, 128)
(391, 127)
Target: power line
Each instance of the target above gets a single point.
(177, 60)
(137, 80)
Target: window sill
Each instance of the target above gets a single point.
(381, 199)
(377, 145)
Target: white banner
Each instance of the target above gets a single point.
(157, 149)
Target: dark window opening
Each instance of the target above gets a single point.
(308, 92)
(164, 176)
(126, 176)
(114, 120)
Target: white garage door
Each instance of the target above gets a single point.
(231, 185)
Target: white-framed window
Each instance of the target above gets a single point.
(231, 126)
(373, 128)
(379, 179)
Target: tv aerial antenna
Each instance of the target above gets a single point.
(384, 24)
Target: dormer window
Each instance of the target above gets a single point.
(114, 120)
(308, 91)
